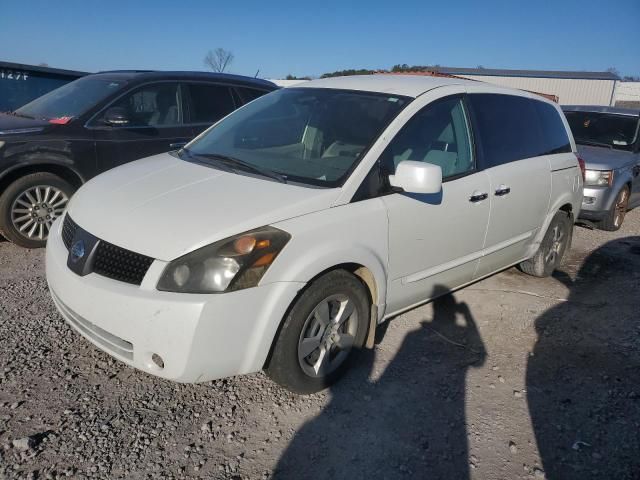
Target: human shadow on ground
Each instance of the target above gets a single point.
(583, 376)
(411, 421)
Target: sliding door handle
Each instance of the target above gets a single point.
(503, 190)
(478, 197)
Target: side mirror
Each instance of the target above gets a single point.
(116, 116)
(417, 177)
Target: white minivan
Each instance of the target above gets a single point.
(283, 235)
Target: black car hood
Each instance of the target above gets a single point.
(13, 122)
(604, 158)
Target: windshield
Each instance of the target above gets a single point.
(606, 129)
(70, 100)
(308, 135)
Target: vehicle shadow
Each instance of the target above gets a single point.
(583, 376)
(411, 421)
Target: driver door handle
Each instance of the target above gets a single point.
(478, 197)
(502, 190)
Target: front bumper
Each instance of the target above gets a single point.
(596, 203)
(198, 337)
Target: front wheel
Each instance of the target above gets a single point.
(323, 330)
(615, 216)
(552, 249)
(29, 206)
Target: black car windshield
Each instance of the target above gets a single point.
(606, 129)
(72, 99)
(307, 135)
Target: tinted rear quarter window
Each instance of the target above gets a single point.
(247, 94)
(209, 103)
(555, 138)
(508, 128)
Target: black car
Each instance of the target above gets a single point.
(52, 145)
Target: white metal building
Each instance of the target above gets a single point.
(286, 83)
(628, 94)
(572, 88)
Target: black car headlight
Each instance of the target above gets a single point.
(231, 264)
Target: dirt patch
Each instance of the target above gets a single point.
(513, 377)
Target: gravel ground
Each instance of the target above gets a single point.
(512, 377)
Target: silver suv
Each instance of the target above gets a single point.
(607, 139)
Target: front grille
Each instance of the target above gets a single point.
(110, 260)
(69, 228)
(120, 264)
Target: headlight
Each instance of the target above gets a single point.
(598, 178)
(231, 264)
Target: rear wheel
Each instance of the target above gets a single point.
(29, 206)
(552, 249)
(320, 335)
(615, 216)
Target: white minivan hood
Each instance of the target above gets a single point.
(164, 207)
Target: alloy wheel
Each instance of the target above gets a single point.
(621, 207)
(328, 335)
(555, 248)
(35, 209)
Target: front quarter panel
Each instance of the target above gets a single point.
(66, 146)
(621, 177)
(351, 233)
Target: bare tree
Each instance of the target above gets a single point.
(218, 60)
(613, 70)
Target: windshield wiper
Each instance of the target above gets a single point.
(593, 143)
(236, 162)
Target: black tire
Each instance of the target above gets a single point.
(555, 243)
(9, 206)
(615, 216)
(284, 366)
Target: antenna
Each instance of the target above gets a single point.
(256, 75)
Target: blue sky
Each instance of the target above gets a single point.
(306, 37)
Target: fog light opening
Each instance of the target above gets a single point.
(157, 359)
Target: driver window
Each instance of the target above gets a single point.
(155, 105)
(438, 134)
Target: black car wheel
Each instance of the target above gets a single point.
(29, 206)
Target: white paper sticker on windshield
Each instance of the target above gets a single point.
(620, 142)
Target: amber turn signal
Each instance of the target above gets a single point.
(264, 260)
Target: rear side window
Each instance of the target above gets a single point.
(508, 128)
(248, 94)
(209, 103)
(554, 133)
